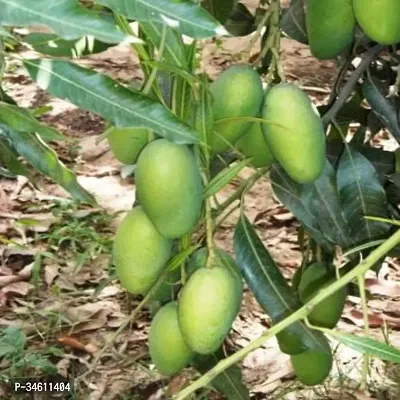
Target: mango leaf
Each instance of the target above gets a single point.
(293, 21)
(6, 98)
(382, 105)
(45, 160)
(219, 9)
(229, 382)
(52, 45)
(289, 193)
(65, 17)
(4, 33)
(21, 120)
(224, 177)
(102, 95)
(361, 194)
(174, 52)
(185, 16)
(9, 159)
(369, 346)
(241, 21)
(269, 286)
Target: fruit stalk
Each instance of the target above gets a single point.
(301, 313)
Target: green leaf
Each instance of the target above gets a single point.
(229, 382)
(270, 288)
(9, 159)
(53, 45)
(369, 346)
(102, 95)
(185, 16)
(12, 342)
(219, 9)
(45, 160)
(241, 21)
(382, 105)
(293, 22)
(174, 52)
(224, 177)
(289, 193)
(361, 194)
(322, 200)
(4, 33)
(64, 17)
(21, 120)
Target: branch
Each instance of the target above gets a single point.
(301, 313)
(344, 94)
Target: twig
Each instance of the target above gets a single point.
(344, 94)
(301, 313)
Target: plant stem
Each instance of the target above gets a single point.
(364, 304)
(257, 33)
(301, 313)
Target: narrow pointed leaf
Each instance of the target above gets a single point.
(102, 95)
(185, 16)
(219, 9)
(293, 21)
(52, 45)
(361, 194)
(369, 346)
(45, 160)
(224, 177)
(9, 159)
(269, 286)
(64, 17)
(21, 120)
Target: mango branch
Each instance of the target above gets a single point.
(301, 313)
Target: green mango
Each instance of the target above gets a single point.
(253, 144)
(327, 313)
(169, 187)
(223, 259)
(127, 143)
(313, 366)
(379, 19)
(237, 92)
(168, 350)
(295, 135)
(139, 252)
(208, 305)
(330, 27)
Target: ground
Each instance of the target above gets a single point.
(55, 259)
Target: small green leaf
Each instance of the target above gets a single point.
(21, 120)
(224, 177)
(45, 160)
(293, 21)
(65, 17)
(102, 95)
(185, 16)
(369, 346)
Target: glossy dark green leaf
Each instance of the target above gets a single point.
(293, 21)
(9, 158)
(219, 9)
(53, 45)
(45, 160)
(241, 21)
(270, 288)
(102, 95)
(21, 120)
(289, 193)
(185, 16)
(382, 105)
(361, 194)
(369, 346)
(65, 17)
(229, 382)
(321, 198)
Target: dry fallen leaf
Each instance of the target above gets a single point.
(383, 287)
(76, 344)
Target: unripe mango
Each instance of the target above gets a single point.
(169, 187)
(168, 350)
(207, 308)
(237, 92)
(140, 252)
(127, 143)
(379, 19)
(330, 27)
(253, 144)
(295, 135)
(313, 366)
(327, 313)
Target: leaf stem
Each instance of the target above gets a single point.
(364, 304)
(301, 313)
